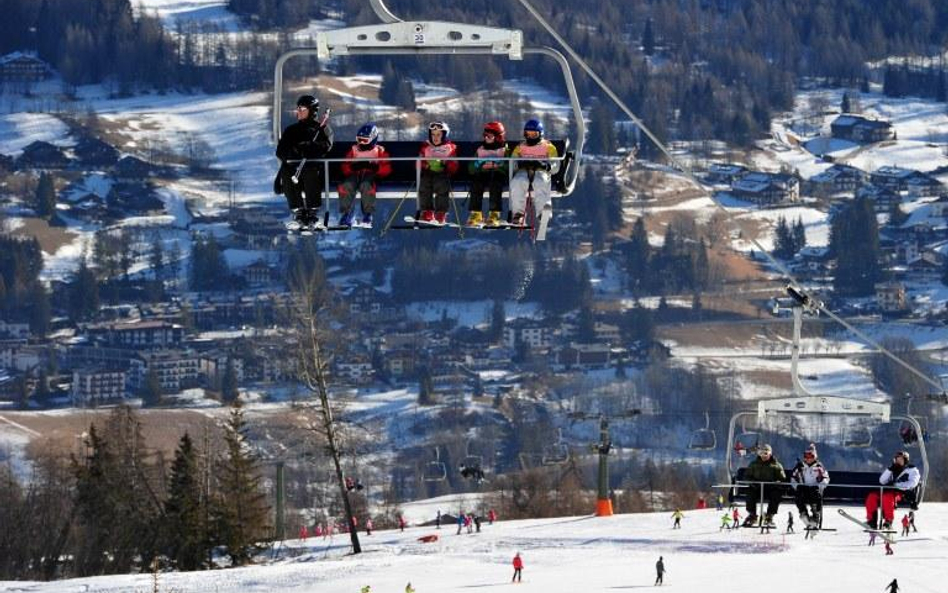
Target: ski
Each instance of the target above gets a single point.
(414, 223)
(883, 533)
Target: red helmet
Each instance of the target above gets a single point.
(497, 129)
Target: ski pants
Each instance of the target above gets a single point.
(772, 494)
(521, 184)
(434, 190)
(308, 193)
(518, 574)
(808, 497)
(363, 183)
(493, 181)
(890, 498)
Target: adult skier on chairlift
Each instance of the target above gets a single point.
(472, 472)
(434, 188)
(304, 141)
(366, 162)
(533, 171)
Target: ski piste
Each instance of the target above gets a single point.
(502, 225)
(884, 534)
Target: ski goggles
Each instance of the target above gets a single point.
(436, 126)
(531, 134)
(363, 140)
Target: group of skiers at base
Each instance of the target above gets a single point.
(367, 161)
(809, 478)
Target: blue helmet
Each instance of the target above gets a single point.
(533, 125)
(367, 135)
(440, 125)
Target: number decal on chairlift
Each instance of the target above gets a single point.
(419, 38)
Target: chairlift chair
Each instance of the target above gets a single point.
(704, 439)
(416, 38)
(556, 453)
(859, 437)
(436, 471)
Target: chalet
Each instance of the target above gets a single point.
(767, 188)
(475, 250)
(367, 303)
(356, 369)
(213, 366)
(95, 153)
(861, 129)
(586, 356)
(259, 230)
(401, 362)
(727, 173)
(939, 208)
(42, 155)
(92, 387)
(882, 197)
(927, 266)
(137, 334)
(923, 185)
(133, 197)
(133, 169)
(891, 298)
(23, 67)
(897, 179)
(836, 179)
(906, 251)
(259, 273)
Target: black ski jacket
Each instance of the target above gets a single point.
(305, 140)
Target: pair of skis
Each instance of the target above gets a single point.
(885, 534)
(413, 223)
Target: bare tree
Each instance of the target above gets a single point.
(310, 309)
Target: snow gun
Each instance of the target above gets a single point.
(322, 126)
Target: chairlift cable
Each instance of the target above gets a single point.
(691, 177)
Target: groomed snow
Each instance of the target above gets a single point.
(574, 554)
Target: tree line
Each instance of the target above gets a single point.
(117, 506)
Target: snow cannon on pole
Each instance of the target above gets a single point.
(603, 448)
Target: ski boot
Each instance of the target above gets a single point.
(750, 521)
(441, 218)
(517, 219)
(427, 217)
(345, 218)
(493, 219)
(367, 220)
(475, 219)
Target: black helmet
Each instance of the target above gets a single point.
(309, 102)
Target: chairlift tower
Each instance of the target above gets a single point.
(603, 447)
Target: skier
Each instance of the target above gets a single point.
(736, 517)
(461, 518)
(872, 538)
(809, 478)
(489, 173)
(401, 523)
(491, 517)
(368, 526)
(720, 502)
(533, 171)
(677, 515)
(905, 525)
(790, 522)
(304, 533)
(904, 477)
(892, 587)
(912, 521)
(477, 523)
(888, 548)
(765, 468)
(367, 161)
(434, 189)
(725, 521)
(409, 588)
(660, 569)
(366, 589)
(438, 520)
(518, 568)
(303, 141)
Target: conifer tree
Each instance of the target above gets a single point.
(799, 235)
(498, 319)
(241, 511)
(45, 202)
(639, 252)
(229, 385)
(183, 529)
(648, 38)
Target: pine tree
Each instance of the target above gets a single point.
(151, 390)
(586, 330)
(799, 236)
(639, 252)
(183, 529)
(241, 511)
(896, 216)
(846, 105)
(854, 241)
(45, 202)
(83, 294)
(648, 39)
(602, 134)
(498, 318)
(784, 242)
(229, 387)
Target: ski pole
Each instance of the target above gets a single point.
(322, 125)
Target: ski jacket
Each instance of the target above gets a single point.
(305, 140)
(374, 160)
(903, 478)
(442, 152)
(813, 474)
(540, 155)
(517, 562)
(487, 155)
(765, 471)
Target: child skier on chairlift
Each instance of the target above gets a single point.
(366, 162)
(434, 188)
(535, 165)
(489, 173)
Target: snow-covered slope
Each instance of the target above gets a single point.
(578, 554)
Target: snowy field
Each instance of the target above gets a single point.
(574, 554)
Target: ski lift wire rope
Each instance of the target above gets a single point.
(730, 217)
